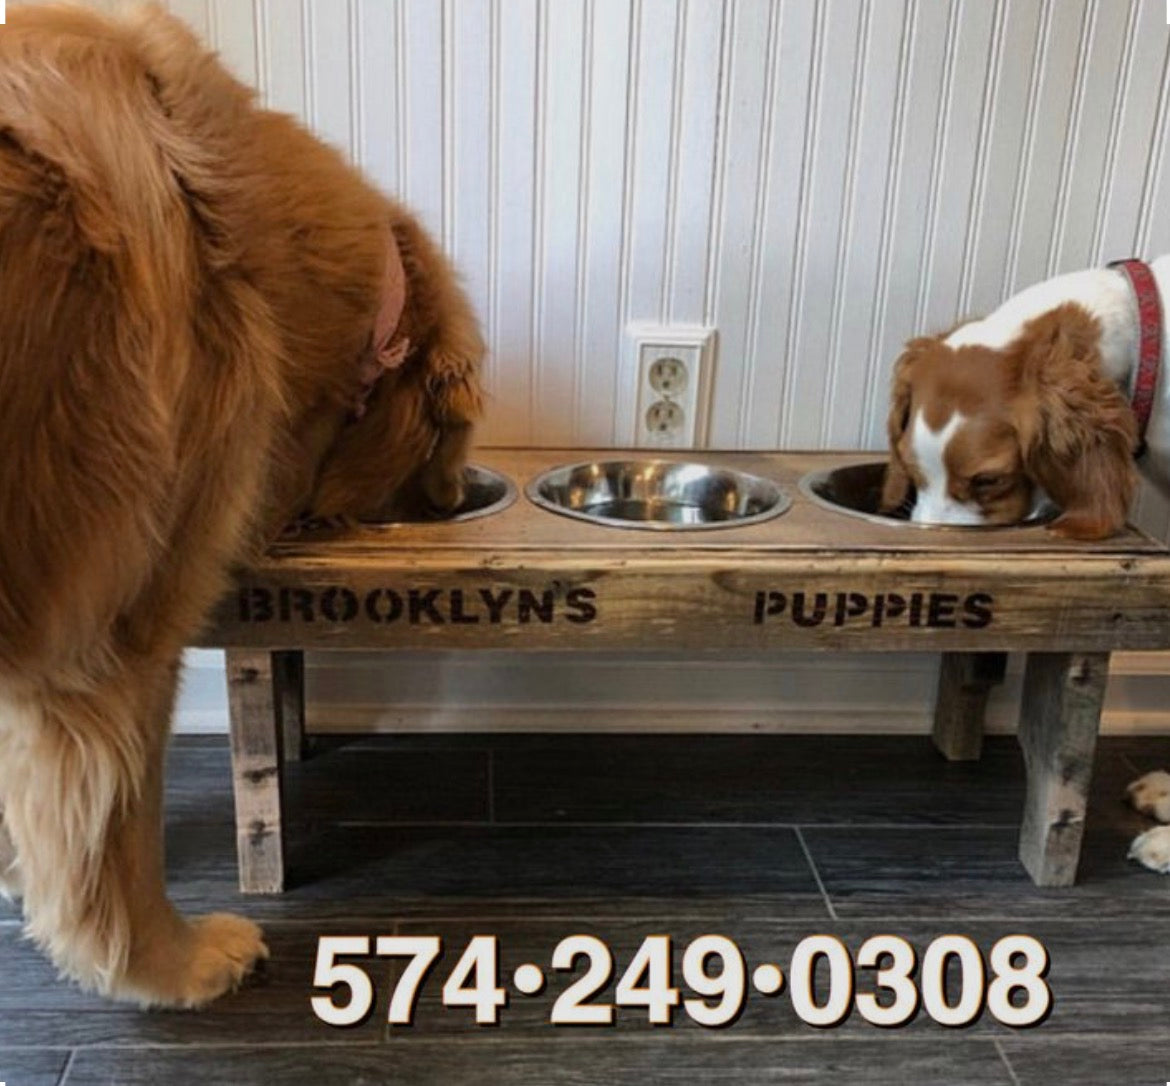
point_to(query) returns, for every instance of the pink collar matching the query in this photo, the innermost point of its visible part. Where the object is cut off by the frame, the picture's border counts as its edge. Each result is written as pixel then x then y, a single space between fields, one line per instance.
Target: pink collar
pixel 384 352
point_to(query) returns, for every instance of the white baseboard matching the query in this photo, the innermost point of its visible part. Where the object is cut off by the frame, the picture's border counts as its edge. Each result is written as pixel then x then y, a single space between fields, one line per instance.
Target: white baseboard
pixel 513 692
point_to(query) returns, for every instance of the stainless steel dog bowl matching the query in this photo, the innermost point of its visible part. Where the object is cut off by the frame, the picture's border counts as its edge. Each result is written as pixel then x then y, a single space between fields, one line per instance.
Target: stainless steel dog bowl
pixel 487 492
pixel 856 491
pixel 657 494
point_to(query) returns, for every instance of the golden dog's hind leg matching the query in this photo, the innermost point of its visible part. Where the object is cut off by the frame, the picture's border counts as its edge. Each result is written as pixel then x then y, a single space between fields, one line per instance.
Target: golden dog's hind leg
pixel 81 774
pixel 9 868
pixel 10 888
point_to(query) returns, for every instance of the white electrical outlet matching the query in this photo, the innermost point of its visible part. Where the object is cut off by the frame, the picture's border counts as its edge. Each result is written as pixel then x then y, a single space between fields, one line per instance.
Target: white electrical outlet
pixel 672 366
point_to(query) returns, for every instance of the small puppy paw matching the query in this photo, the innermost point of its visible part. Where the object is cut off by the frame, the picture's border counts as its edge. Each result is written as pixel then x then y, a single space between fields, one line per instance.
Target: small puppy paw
pixel 1151 795
pixel 1152 849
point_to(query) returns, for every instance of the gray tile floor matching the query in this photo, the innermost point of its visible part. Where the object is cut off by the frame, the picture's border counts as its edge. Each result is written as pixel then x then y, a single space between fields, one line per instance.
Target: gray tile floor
pixel 765 839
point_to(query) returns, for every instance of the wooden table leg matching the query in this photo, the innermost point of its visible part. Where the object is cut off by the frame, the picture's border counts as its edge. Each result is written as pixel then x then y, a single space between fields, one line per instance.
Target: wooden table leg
pixel 1059 717
pixel 964 683
pixel 288 676
pixel 256 771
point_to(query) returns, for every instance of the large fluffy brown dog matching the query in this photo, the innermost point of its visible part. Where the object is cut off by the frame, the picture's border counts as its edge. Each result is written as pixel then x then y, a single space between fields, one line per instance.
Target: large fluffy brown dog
pixel 190 289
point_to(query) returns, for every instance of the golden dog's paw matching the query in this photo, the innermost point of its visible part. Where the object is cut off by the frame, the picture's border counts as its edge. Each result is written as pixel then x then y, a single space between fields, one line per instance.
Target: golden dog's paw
pixel 210 957
pixel 445 491
pixel 225 949
pixel 1152 849
pixel 1151 795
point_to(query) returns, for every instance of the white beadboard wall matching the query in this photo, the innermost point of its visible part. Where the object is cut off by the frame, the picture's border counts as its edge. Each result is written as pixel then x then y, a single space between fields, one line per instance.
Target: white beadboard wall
pixel 816 179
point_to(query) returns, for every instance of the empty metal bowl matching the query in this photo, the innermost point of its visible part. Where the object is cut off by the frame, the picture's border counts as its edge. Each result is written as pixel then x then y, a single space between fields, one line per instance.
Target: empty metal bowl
pixel 487 492
pixel 856 491
pixel 657 494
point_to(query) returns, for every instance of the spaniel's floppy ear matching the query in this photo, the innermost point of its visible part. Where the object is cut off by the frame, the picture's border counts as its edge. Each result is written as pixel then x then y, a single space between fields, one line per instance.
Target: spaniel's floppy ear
pixel 896 487
pixel 1076 430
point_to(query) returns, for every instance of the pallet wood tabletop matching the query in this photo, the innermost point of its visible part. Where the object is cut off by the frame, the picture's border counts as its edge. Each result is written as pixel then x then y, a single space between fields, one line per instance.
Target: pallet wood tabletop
pixel 810 578
pixel 525 527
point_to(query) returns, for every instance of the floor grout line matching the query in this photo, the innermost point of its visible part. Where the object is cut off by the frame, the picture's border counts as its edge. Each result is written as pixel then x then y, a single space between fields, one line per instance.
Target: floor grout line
pixel 463 823
pixel 658 917
pixel 66 1048
pixel 64 1076
pixel 693 1035
pixel 1006 1062
pixel 752 915
pixel 816 874
pixel 1133 767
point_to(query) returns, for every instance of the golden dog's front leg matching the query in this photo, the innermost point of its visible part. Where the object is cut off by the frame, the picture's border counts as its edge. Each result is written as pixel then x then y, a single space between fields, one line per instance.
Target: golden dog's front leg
pixel 442 476
pixel 82 777
pixel 172 961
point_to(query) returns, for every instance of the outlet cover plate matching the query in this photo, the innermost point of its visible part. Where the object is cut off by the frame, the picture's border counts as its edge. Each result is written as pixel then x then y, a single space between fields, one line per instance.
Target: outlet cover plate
pixel 692 346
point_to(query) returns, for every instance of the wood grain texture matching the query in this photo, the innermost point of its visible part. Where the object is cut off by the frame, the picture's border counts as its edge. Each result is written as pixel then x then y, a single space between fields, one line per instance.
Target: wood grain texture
pixel 288 678
pixel 811 578
pixel 273 1006
pixel 1076 954
pixel 1060 714
pixel 405 781
pixel 702 779
pixel 964 682
pixel 574 1060
pixel 1106 937
pixel 1084 1062
pixel 967 871
pixel 256 769
pixel 31 1067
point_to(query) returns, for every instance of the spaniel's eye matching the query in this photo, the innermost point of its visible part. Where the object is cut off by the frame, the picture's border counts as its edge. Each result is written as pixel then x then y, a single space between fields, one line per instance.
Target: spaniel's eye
pixel 986 482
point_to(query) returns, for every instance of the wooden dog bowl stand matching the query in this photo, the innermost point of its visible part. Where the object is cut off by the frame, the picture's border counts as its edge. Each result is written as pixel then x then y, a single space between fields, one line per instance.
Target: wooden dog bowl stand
pixel 528 579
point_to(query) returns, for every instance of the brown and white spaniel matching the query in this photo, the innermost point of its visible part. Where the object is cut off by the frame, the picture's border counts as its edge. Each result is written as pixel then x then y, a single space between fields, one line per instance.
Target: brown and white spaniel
pixel 1047 399
pixel 991 420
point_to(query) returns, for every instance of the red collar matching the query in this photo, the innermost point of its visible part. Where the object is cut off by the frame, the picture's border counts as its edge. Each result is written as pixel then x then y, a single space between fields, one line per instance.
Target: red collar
pixel 1149 304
